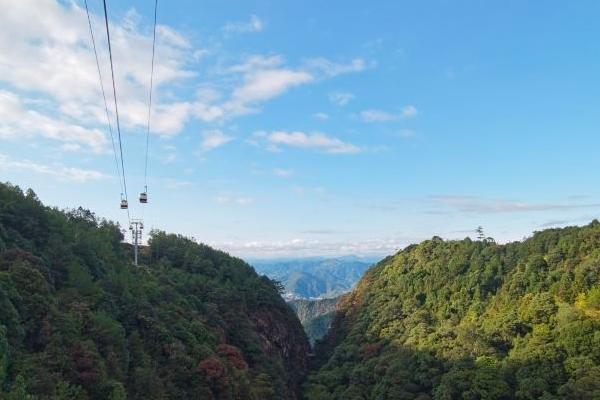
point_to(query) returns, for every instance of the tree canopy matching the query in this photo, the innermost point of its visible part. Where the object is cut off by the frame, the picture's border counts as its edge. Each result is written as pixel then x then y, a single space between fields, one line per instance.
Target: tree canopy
pixel 79 321
pixel 470 319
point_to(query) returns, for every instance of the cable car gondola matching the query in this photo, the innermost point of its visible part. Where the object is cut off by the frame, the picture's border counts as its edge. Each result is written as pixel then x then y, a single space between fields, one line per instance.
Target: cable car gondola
pixel 124 204
pixel 143 197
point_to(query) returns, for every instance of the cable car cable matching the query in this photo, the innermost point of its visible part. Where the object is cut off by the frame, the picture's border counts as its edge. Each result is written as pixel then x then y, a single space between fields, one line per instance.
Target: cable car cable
pixel 112 71
pixel 112 138
pixel 144 195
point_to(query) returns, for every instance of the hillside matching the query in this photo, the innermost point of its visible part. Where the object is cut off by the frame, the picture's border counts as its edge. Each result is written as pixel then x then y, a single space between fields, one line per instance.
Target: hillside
pixel 78 321
pixel 315 315
pixel 307 278
pixel 471 320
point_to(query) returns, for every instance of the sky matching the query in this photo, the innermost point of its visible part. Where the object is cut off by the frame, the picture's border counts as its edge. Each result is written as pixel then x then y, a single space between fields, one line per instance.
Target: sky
pixel 309 128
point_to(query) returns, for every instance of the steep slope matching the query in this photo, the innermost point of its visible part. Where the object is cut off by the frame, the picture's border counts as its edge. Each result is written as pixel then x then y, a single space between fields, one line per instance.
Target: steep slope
pixel 314 277
pixel 471 320
pixel 315 315
pixel 78 321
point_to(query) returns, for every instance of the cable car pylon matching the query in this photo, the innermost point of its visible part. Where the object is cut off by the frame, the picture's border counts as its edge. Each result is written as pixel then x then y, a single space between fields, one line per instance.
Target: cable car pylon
pixel 136 227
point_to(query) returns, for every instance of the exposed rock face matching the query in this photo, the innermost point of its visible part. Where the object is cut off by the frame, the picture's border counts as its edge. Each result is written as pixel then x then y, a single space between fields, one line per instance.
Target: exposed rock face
pixel 283 337
pixel 315 315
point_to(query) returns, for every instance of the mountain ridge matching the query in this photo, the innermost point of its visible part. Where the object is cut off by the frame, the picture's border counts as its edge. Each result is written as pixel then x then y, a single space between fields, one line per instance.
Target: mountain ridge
pixel 315 277
pixel 470 319
pixel 78 321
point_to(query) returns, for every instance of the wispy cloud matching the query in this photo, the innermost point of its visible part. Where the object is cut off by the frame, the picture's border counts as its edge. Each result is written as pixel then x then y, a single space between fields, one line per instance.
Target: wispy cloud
pixel 57 171
pixel 321 116
pixel 263 84
pixel 283 173
pixel 17 122
pixel 302 190
pixel 330 68
pixel 374 115
pixel 317 141
pixel 406 134
pixel 213 139
pixel 254 24
pixel 311 247
pixel 478 205
pixel 177 184
pixel 242 201
pixel 53 58
pixel 377 116
pixel 340 99
pixel 53 61
pixel 409 111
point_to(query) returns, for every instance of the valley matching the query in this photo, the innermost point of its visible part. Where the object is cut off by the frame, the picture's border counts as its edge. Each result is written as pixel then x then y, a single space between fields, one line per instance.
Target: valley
pixel 437 320
pixel 313 286
pixel 299 200
pixel 314 278
pixel 315 315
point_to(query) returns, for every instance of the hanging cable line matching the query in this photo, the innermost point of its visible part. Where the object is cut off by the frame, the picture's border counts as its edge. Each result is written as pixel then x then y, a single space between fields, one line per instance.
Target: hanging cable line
pixel 124 205
pixel 144 195
pixel 112 138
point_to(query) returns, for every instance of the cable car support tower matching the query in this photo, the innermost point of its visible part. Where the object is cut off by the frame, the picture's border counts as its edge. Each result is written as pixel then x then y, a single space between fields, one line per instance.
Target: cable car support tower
pixel 136 227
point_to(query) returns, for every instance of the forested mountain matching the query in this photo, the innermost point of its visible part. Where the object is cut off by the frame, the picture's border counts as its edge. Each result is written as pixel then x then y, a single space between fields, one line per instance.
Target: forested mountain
pixel 471 320
pixel 315 315
pixel 78 321
pixel 307 278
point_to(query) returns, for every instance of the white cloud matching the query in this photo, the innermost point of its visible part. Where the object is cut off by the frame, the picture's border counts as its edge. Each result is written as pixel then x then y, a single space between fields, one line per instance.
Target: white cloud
pixel 374 115
pixel 177 184
pixel 283 173
pixel 242 201
pixel 60 172
pixel 298 247
pixel 263 85
pixel 377 116
pixel 473 204
pixel 409 111
pixel 213 139
pixel 321 116
pixel 318 141
pixel 255 24
pixel 302 190
pixel 406 134
pixel 330 68
pixel 17 121
pixel 53 58
pixel 340 99
pixel 223 199
pixel 256 80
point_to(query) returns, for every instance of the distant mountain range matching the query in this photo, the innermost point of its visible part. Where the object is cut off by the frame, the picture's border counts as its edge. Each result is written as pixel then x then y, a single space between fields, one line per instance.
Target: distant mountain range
pixel 314 278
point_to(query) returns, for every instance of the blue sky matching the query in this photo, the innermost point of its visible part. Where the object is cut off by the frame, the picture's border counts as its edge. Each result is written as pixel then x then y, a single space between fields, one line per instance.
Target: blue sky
pixel 312 128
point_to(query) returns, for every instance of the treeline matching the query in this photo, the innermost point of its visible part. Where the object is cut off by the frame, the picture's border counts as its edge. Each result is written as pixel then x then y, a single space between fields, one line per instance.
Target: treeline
pixel 471 320
pixel 78 321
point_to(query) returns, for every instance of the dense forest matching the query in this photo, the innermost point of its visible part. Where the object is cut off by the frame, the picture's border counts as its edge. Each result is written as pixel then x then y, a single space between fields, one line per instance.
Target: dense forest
pixel 78 321
pixel 440 320
pixel 315 315
pixel 470 320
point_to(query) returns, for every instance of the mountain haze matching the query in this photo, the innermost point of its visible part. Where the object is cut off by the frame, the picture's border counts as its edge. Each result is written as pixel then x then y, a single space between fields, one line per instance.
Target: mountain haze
pixel 307 278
